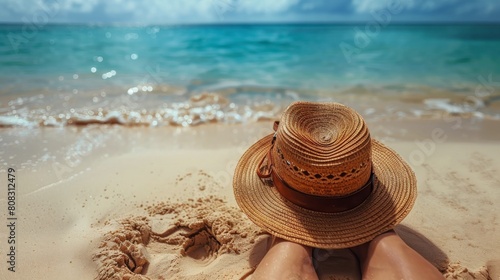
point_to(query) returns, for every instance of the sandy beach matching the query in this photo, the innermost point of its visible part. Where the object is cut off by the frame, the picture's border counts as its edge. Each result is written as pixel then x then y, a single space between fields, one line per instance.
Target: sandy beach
pixel 157 203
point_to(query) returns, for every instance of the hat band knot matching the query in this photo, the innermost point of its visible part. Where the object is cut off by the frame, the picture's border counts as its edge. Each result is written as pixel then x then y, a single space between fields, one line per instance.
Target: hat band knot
pixel 326 204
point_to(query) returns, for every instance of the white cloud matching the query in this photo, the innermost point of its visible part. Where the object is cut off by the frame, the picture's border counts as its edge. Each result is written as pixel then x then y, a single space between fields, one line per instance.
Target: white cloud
pixel 265 7
pixel 152 10
pixel 168 11
pixel 32 6
pixel 50 9
pixel 366 6
pixel 456 7
pixel 160 9
pixel 82 6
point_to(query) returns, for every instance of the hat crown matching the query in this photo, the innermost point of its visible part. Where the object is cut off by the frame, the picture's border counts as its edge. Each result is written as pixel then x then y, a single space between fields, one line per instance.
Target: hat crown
pixel 322 149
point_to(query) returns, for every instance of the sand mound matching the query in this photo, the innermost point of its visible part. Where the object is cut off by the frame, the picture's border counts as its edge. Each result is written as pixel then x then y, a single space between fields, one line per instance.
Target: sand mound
pixel 122 253
pixel 158 246
pixel 457 271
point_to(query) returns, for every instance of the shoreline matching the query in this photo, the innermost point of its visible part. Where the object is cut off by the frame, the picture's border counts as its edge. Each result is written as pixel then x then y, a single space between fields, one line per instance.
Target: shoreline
pixel 163 105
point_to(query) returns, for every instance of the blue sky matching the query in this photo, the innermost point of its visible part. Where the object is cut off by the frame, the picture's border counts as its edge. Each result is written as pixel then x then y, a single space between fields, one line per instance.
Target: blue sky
pixel 227 11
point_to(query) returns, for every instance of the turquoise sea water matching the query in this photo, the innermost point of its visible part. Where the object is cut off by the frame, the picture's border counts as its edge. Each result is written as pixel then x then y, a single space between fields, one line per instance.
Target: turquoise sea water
pixel 184 75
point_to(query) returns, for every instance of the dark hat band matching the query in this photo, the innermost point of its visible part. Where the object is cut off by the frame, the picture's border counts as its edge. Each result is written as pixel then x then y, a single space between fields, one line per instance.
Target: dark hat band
pixel 326 204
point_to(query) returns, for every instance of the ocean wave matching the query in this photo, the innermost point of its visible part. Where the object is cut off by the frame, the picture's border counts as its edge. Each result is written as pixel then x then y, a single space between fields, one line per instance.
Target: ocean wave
pixel 473 104
pixel 230 103
pixel 199 109
pixel 9 121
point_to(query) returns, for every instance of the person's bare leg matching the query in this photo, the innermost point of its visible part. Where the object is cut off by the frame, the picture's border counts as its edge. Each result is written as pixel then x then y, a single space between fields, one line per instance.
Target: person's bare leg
pixel 388 257
pixel 286 260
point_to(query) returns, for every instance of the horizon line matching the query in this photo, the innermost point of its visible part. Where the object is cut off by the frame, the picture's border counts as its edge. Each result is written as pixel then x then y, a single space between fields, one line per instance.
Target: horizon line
pixel 221 23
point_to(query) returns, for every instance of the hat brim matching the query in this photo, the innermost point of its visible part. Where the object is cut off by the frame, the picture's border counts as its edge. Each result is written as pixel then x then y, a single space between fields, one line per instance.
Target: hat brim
pixel 394 193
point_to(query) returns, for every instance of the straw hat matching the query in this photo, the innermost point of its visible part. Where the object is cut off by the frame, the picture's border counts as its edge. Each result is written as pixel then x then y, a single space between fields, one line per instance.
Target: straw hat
pixel 321 181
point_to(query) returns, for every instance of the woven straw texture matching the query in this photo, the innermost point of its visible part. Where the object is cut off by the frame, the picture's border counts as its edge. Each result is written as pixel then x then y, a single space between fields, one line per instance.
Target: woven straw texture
pixel 323 149
pixel 394 184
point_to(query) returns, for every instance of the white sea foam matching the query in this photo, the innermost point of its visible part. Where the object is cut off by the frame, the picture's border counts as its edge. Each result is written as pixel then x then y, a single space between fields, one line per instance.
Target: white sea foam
pixel 8 121
pixel 227 102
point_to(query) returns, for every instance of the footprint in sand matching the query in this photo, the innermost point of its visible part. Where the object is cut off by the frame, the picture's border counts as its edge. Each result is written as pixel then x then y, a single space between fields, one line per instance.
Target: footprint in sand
pixel 156 247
